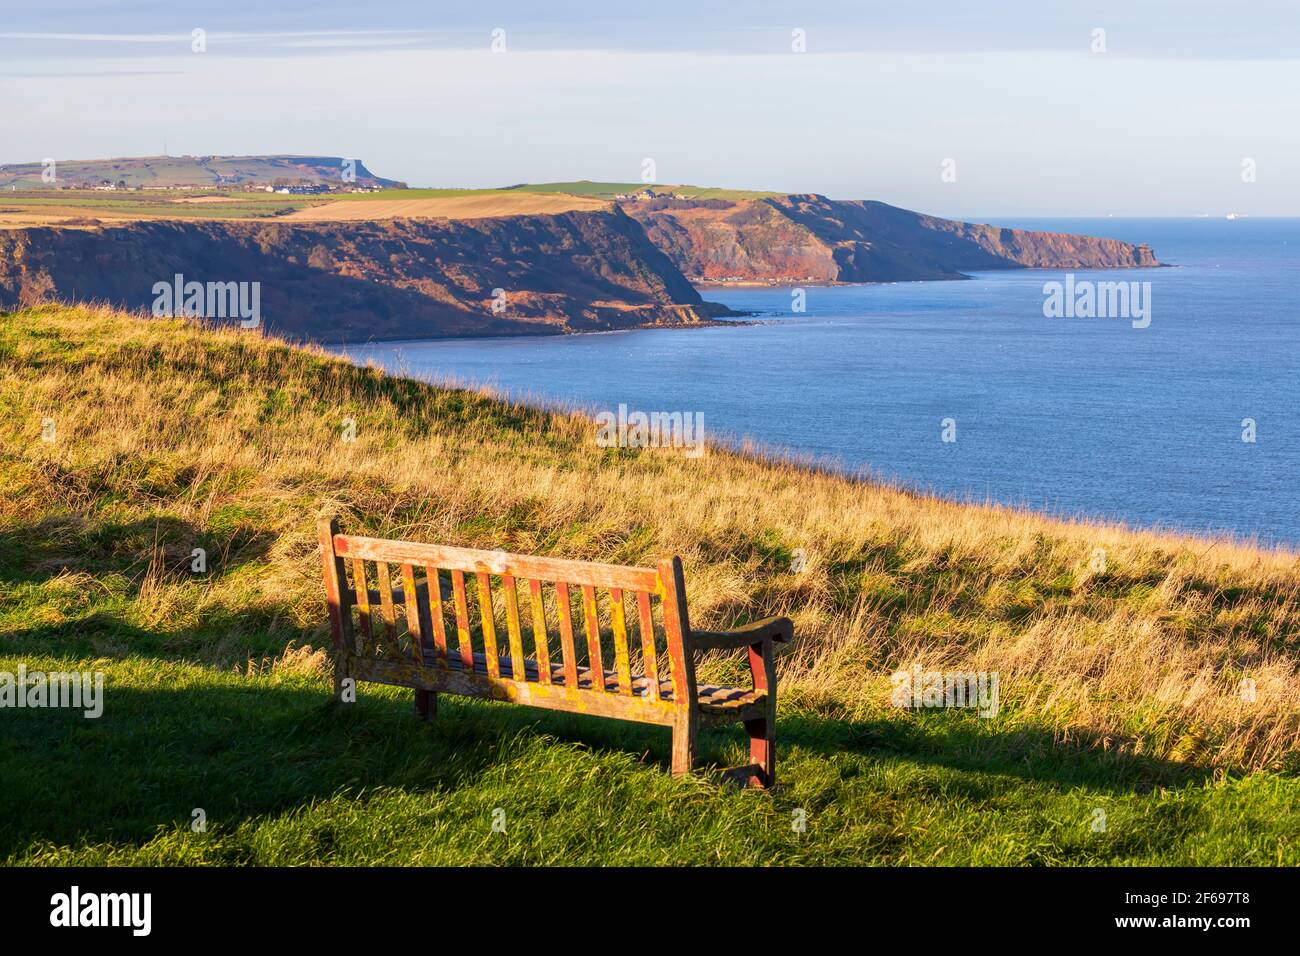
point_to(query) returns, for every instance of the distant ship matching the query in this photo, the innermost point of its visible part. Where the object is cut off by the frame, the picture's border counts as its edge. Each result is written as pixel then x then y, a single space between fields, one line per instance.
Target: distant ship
pixel 1235 215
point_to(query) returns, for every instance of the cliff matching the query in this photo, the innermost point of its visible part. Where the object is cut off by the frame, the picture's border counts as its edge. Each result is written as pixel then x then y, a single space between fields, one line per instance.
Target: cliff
pixel 812 238
pixel 615 267
pixel 402 278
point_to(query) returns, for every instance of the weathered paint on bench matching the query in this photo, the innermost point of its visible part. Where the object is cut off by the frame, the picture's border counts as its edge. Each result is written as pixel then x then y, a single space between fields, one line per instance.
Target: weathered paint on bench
pixel 448 638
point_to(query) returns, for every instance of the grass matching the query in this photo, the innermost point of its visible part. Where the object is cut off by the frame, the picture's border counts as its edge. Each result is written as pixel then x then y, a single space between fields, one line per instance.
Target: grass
pixel 599 190
pixel 22 208
pixel 1120 688
pixel 391 195
pixel 79 204
pixel 149 205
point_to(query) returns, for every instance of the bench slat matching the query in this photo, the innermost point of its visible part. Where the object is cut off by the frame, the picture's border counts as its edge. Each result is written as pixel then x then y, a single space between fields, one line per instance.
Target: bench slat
pixel 488 623
pixel 567 651
pixel 512 626
pixel 413 623
pixel 366 639
pixel 618 624
pixel 717 699
pixel 541 640
pixel 473 561
pixel 436 614
pixel 591 615
pixel 462 618
pixel 386 613
pixel 551 696
pixel 649 655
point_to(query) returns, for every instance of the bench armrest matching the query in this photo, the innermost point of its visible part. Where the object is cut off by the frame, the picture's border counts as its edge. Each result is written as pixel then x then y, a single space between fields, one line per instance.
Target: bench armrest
pixel 780 629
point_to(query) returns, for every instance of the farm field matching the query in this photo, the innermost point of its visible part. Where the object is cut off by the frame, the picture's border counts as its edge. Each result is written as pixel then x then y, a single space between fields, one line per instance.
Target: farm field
pixel 476 206
pixel 77 209
pixel 610 190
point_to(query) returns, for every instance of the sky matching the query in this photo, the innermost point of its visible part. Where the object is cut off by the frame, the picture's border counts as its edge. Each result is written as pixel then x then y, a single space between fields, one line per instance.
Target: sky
pixel 972 110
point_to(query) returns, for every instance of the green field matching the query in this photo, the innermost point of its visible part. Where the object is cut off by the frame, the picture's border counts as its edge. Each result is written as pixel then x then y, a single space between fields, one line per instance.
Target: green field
pixel 598 190
pixel 1121 738
pixel 154 205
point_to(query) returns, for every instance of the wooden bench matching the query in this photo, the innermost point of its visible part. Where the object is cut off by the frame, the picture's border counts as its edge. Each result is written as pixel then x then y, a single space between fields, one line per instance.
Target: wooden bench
pixel 511 637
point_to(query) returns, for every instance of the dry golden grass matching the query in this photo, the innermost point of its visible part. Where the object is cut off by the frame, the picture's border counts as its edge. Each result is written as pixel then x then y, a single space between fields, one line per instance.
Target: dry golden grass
pixel 450 207
pixel 21 217
pixel 17 212
pixel 220 430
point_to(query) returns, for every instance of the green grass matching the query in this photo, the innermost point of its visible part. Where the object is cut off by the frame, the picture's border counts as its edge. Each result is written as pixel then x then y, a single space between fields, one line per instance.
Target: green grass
pixel 242 205
pixel 171 439
pixel 610 190
pixel 285 777
pixel 151 205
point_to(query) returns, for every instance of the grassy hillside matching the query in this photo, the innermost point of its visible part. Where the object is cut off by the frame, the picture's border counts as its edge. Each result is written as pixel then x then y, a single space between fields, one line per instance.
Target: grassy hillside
pixel 186 171
pixel 1120 688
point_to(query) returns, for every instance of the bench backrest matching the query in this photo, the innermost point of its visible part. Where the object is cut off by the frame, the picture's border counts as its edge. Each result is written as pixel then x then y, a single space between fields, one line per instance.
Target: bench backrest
pixel 522 613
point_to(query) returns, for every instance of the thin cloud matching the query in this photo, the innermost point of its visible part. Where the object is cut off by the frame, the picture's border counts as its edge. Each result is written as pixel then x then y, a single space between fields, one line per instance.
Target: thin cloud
pixel 96 74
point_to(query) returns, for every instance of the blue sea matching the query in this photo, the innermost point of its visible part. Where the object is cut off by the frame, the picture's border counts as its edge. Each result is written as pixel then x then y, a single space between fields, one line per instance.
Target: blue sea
pixel 1071 416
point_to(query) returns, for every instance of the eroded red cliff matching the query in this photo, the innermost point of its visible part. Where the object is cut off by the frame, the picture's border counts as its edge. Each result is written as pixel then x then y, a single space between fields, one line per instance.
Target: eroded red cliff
pixel 802 238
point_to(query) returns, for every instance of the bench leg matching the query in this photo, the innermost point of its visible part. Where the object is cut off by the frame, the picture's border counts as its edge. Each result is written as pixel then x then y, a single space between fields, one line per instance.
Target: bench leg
pixel 426 704
pixel 762 730
pixel 684 732
pixel 340 675
pixel 762 751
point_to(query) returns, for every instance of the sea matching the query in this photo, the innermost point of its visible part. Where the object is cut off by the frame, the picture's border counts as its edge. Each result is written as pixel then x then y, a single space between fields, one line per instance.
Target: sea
pixel 1180 413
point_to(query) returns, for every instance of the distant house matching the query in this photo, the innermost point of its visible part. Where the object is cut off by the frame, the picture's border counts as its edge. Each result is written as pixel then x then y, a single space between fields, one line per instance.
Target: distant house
pixel 303 189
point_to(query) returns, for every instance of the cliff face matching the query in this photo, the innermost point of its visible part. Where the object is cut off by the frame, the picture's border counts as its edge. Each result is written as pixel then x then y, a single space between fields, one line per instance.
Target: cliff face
pixel 578 271
pixel 569 272
pixel 714 240
pixel 812 238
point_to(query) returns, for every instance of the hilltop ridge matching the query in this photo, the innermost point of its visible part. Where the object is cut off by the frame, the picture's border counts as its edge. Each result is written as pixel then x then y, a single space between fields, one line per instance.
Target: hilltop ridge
pixel 188 172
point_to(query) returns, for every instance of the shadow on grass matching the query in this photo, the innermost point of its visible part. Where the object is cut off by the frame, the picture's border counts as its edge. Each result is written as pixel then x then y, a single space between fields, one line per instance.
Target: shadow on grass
pixel 966 744
pixel 239 749
pixel 44 549
pixel 230 636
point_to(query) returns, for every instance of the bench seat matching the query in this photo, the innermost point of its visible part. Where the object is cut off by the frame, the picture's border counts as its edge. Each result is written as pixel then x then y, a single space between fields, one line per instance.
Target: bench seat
pixel 735 703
